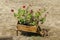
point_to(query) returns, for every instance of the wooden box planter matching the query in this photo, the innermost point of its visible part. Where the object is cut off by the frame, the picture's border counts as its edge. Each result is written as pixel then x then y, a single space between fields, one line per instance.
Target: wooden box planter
pixel 26 28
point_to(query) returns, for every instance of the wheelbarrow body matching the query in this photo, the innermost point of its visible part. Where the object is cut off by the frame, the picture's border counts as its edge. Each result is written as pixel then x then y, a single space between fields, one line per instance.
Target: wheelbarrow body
pixel 33 29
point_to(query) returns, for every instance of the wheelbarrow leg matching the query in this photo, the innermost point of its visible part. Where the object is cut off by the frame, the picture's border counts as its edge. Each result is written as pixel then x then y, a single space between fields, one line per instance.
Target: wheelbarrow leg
pixel 38 29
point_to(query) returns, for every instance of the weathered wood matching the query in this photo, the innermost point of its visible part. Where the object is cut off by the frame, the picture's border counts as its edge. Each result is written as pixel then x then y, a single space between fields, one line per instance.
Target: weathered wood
pixel 27 28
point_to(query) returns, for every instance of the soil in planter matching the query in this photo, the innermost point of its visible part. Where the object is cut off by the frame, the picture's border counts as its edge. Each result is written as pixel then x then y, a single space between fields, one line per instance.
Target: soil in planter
pixel 26 23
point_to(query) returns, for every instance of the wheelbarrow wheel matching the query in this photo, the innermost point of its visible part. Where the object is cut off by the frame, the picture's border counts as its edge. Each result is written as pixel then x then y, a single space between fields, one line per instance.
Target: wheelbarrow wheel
pixel 43 32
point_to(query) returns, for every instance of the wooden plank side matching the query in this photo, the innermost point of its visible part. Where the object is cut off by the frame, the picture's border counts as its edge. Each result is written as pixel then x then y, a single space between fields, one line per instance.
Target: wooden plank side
pixel 27 28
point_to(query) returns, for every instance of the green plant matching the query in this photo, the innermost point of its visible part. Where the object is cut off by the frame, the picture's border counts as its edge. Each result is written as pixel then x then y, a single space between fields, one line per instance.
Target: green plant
pixel 26 17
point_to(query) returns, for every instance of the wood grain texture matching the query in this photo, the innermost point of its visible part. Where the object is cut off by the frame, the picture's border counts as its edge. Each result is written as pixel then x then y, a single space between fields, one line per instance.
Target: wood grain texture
pixel 27 28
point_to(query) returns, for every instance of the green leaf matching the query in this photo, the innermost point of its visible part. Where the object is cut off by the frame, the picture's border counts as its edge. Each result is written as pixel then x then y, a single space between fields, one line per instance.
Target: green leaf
pixel 37 15
pixel 33 23
pixel 21 20
pixel 15 14
pixel 19 10
pixel 23 12
pixel 43 20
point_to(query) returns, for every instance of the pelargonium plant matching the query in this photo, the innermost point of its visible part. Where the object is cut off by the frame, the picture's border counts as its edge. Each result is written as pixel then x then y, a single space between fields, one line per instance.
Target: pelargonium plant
pixel 31 18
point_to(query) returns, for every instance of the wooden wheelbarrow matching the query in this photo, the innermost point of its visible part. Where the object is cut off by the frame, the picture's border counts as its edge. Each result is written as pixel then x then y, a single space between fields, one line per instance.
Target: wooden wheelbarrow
pixel 32 29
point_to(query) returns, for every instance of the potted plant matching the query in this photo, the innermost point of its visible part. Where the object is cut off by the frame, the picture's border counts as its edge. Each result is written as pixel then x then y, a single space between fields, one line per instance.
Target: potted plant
pixel 29 20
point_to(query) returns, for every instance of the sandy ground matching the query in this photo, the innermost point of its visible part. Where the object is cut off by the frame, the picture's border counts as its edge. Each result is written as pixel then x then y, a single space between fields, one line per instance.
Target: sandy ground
pixel 8 21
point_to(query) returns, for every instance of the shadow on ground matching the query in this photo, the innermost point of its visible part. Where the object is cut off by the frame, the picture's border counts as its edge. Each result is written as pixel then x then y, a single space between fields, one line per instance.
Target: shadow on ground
pixel 29 34
pixel 6 38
